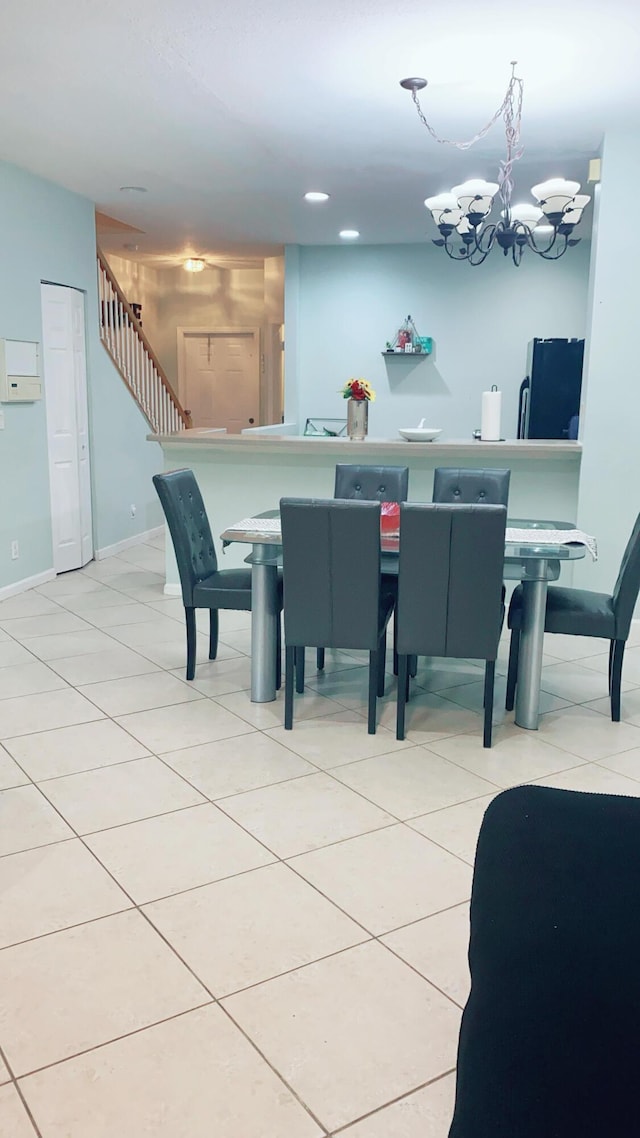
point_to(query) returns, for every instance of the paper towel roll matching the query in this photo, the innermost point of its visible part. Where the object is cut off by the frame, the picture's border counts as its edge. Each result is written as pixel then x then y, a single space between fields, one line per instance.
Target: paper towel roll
pixel 490 419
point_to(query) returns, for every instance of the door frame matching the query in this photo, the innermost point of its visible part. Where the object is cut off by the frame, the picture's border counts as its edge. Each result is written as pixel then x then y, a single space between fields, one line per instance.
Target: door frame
pixel 82 400
pixel 215 330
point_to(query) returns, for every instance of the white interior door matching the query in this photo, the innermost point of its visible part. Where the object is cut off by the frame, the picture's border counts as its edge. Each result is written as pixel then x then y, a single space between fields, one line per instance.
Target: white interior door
pixel 221 378
pixel 65 385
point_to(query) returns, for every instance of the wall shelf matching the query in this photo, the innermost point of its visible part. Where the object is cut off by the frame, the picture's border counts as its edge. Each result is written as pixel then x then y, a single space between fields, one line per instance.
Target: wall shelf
pixel 406 355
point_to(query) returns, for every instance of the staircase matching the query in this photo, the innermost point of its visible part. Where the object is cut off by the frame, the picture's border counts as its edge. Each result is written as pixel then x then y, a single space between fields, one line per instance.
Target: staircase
pixel 131 353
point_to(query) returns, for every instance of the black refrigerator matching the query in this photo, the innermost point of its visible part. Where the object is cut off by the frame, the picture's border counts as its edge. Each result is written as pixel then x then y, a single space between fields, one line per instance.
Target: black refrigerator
pixel 550 394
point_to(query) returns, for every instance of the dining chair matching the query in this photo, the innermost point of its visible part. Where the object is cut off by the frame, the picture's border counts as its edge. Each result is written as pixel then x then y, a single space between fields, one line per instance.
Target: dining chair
pixel 580 612
pixel 204 586
pixel 333 591
pixel 370 484
pixel 484 487
pixel 450 591
pixel 548 1045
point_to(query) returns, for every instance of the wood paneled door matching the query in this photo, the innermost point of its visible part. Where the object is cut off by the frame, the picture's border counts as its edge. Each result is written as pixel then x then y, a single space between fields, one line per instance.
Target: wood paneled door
pixel 219 376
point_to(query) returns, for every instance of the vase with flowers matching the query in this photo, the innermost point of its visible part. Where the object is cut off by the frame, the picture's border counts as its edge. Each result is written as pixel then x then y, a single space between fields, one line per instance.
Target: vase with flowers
pixel 359 394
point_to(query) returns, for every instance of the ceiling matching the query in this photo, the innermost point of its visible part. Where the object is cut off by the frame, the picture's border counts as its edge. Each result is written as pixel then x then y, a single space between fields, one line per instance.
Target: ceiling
pixel 227 113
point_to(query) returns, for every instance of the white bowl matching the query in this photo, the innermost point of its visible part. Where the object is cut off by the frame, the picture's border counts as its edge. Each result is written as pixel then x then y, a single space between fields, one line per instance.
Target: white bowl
pixel 420 434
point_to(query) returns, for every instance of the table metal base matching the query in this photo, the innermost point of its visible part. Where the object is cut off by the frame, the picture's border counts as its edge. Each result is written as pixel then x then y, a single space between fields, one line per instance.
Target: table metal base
pixel 264 623
pixel 534 605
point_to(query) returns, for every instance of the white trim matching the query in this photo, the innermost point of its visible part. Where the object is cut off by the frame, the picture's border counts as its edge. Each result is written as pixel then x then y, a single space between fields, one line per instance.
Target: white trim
pixel 172 590
pixel 127 543
pixel 26 583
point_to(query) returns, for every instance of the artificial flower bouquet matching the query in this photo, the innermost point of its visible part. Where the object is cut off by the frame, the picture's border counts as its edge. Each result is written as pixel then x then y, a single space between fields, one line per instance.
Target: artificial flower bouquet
pixel 358 389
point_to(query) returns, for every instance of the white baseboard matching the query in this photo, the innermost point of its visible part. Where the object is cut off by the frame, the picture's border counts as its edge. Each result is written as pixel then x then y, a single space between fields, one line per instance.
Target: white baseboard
pixel 172 591
pixel 27 583
pixel 127 543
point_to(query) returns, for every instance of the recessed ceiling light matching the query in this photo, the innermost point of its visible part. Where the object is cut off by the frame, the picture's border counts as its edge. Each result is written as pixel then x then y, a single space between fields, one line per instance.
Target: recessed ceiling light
pixel 131 246
pixel 349 234
pixel 316 196
pixel 133 189
pixel 194 264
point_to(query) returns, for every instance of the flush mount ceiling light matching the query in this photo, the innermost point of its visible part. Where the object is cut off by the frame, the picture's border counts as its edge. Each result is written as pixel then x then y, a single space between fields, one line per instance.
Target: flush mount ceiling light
pixel 316 196
pixel 461 215
pixel 349 234
pixel 194 264
pixel 133 190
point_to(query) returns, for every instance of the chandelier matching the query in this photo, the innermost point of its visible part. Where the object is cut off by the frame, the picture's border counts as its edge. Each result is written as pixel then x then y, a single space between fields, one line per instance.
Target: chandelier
pixel 462 215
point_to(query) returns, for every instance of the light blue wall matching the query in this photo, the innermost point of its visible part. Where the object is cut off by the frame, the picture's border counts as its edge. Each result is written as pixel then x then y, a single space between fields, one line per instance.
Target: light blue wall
pixel 349 300
pixel 610 474
pixel 48 234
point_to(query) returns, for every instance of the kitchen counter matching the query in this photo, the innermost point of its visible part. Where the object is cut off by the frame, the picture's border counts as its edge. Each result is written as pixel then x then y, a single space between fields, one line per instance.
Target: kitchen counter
pixel 242 475
pixel 370 449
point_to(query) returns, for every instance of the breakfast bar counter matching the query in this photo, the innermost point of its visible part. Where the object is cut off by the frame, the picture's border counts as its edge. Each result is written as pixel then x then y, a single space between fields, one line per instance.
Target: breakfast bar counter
pixel 243 475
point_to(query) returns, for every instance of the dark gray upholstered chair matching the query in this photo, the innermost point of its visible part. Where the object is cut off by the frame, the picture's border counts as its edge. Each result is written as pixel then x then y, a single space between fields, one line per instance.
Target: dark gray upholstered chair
pixel 579 612
pixel 372 483
pixel 450 590
pixel 548 1044
pixel 333 592
pixel 484 487
pixel 204 586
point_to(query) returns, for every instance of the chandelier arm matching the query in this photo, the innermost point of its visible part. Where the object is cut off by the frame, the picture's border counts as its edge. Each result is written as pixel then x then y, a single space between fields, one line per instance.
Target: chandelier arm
pixel 449 251
pixel 532 243
pixel 556 256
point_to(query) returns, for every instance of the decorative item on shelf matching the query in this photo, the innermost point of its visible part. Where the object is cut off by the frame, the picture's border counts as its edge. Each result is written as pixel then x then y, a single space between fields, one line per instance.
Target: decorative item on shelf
pixel 407 342
pixel 359 394
pixel 461 215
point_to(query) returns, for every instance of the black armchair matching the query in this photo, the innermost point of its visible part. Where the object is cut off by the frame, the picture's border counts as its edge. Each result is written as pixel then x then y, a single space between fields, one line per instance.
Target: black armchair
pixel 204 586
pixel 549 1038
pixel 579 612
pixel 450 591
pixel 483 487
pixel 333 591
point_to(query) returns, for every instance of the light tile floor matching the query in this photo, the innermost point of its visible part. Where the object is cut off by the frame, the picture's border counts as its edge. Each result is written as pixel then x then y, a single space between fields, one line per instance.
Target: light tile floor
pixel 211 926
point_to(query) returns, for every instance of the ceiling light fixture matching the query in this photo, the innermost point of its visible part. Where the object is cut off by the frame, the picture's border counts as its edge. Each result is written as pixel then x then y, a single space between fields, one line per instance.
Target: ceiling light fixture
pixel 133 190
pixel 316 196
pixel 349 234
pixel 463 212
pixel 194 264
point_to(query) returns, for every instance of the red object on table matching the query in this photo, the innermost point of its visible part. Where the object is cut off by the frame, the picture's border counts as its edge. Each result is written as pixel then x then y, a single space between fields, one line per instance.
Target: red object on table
pixel 389 517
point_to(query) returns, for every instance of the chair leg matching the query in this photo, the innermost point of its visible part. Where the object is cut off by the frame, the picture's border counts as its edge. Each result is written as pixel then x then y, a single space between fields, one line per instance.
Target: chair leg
pixel 512 674
pixel 213 633
pixel 279 654
pixel 382 660
pixel 289 669
pixel 373 691
pixel 401 697
pixel 413 667
pixel 489 679
pixel 395 646
pixel 612 645
pixel 320 659
pixel 299 657
pixel 616 678
pixel 190 617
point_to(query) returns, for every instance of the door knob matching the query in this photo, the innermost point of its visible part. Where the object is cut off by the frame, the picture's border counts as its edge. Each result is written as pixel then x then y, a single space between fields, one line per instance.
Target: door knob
pixel 251 420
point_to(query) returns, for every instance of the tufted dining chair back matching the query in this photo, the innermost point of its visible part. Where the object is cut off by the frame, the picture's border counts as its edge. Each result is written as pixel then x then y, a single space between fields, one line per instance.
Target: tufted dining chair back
pixel 471 487
pixel 189 527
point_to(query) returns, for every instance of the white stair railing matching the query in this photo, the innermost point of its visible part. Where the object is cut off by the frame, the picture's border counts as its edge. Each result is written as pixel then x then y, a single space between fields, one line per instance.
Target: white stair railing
pixel 123 337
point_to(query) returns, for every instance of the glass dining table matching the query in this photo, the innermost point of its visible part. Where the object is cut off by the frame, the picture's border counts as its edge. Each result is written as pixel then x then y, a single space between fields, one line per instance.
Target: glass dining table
pixel 531 563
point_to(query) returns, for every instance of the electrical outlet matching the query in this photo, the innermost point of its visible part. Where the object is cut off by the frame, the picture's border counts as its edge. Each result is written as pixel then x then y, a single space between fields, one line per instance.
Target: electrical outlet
pixel 15 551
pixel 133 510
